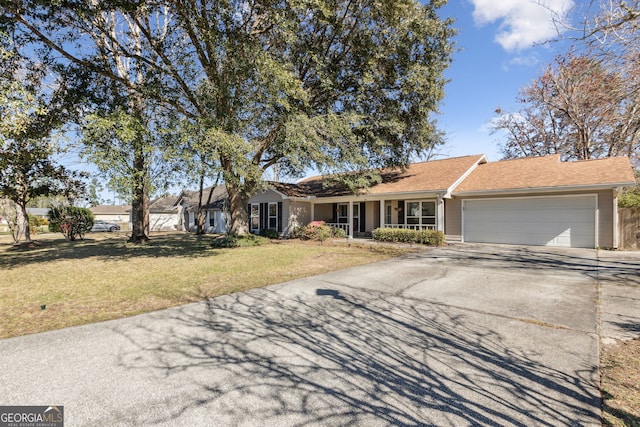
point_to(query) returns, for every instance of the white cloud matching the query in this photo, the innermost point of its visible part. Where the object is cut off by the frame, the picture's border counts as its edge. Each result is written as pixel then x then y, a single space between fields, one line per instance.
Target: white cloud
pixel 522 22
pixel 525 60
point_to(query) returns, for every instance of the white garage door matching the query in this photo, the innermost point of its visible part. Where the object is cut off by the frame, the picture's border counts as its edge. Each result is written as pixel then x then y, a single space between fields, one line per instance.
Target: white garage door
pixel 540 221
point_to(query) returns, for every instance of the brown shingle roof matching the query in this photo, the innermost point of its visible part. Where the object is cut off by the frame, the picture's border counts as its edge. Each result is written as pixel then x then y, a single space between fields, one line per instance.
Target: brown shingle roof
pixel 547 172
pixel 163 204
pixel 218 194
pixel 429 176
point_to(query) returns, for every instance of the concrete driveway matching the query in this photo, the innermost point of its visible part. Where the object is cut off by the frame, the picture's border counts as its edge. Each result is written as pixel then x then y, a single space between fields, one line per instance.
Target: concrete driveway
pixel 465 335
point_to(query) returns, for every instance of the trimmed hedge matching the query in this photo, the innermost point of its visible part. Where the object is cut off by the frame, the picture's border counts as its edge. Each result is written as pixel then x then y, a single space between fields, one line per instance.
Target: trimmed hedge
pixel 269 233
pixel 404 235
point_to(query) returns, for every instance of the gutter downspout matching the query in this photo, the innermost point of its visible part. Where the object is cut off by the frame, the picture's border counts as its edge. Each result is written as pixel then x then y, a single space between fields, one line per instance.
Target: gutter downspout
pixel 615 219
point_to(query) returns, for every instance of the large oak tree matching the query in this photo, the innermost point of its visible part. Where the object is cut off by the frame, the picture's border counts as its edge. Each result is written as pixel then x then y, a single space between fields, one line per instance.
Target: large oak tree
pixel 331 84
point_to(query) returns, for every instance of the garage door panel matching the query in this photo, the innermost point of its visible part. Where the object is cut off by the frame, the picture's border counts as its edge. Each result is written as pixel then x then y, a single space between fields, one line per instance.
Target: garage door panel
pixel 553 221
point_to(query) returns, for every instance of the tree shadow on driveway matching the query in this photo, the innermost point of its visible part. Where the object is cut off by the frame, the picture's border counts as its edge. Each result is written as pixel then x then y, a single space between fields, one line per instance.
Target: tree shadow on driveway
pixel 328 357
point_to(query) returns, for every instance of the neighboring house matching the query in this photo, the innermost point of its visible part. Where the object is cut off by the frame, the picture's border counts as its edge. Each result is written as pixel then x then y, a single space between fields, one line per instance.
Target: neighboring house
pixel 165 214
pixel 214 202
pixel 532 201
pixel 180 212
pixel 112 213
pixel 39 212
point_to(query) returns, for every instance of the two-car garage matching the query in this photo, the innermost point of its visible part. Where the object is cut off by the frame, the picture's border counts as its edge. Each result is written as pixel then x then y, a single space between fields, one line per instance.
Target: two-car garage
pixel 568 221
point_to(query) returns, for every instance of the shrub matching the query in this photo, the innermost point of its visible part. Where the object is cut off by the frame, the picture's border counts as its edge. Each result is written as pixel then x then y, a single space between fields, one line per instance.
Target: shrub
pixel 318 230
pixel 269 233
pixel 338 232
pixel 71 221
pixel 34 224
pixel 239 241
pixel 630 198
pixel 404 235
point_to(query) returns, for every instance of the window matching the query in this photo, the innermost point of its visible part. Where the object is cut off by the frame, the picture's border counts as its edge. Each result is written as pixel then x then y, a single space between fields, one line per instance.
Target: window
pixel 212 219
pixel 421 213
pixel 255 217
pixel 388 220
pixel 273 216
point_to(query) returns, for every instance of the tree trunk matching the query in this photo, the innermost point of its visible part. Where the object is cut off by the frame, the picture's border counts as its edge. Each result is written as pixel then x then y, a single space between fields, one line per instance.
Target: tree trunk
pixel 140 202
pixel 238 209
pixel 23 224
pixel 199 216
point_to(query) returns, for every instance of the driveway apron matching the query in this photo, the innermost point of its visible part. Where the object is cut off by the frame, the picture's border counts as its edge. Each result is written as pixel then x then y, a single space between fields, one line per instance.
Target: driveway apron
pixel 463 335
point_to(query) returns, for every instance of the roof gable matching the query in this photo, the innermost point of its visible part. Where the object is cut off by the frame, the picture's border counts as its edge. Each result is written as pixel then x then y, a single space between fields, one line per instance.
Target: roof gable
pixel 218 193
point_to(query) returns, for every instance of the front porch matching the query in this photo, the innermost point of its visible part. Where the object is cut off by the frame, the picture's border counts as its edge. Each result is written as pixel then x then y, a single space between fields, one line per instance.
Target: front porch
pixel 360 218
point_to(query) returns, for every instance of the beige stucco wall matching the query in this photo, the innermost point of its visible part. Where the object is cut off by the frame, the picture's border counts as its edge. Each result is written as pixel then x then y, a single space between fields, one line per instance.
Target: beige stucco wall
pixel 453 214
pixel 324 212
pixel 453 218
pixel 372 217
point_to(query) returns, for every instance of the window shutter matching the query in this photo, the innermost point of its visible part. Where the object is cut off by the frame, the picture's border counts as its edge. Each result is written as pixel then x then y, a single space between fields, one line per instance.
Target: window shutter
pixel 335 213
pixel 263 214
pixel 280 218
pixel 400 211
pixel 363 217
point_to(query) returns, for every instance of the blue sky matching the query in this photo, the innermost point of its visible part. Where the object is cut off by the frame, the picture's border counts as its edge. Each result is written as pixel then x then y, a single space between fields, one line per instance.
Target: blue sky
pixel 501 48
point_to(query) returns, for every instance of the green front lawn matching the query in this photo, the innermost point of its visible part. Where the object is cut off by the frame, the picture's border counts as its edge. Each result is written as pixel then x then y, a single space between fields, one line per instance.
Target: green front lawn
pixel 56 283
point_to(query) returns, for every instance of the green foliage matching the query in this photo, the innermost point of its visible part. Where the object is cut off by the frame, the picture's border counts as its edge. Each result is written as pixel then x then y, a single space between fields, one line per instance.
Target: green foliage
pixel 630 199
pixel 340 85
pixel 404 235
pixel 269 233
pixel 73 222
pixel 29 125
pixel 35 223
pixel 239 241
pixel 630 196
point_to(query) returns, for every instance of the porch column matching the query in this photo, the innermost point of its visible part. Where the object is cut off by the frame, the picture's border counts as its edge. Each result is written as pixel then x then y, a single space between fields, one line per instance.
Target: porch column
pixel 350 220
pixel 440 214
pixel 313 212
pixel 382 213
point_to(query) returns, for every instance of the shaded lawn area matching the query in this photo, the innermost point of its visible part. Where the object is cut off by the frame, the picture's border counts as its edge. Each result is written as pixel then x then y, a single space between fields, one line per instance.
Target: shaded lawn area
pixel 57 283
pixel 620 383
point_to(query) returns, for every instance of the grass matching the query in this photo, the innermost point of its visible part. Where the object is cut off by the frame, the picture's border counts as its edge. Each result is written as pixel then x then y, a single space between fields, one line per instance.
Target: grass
pixel 56 283
pixel 620 383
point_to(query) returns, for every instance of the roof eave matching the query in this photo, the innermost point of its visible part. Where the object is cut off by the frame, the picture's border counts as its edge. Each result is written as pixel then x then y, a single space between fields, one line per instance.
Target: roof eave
pixel 380 196
pixel 561 189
